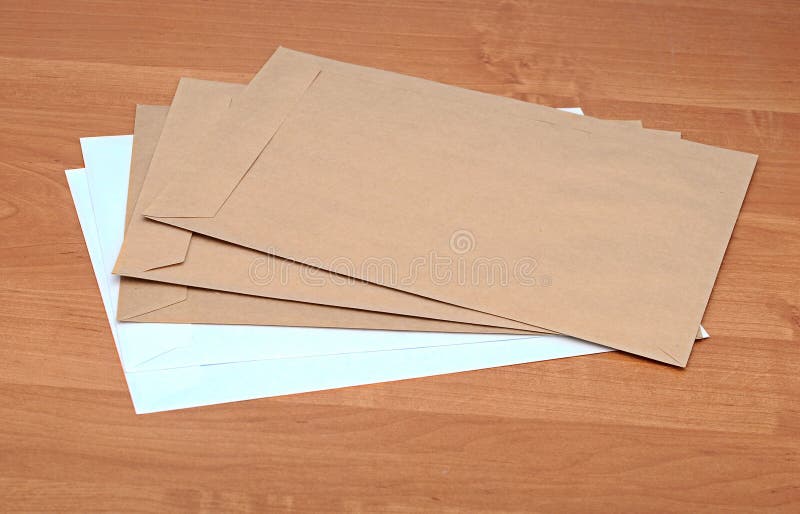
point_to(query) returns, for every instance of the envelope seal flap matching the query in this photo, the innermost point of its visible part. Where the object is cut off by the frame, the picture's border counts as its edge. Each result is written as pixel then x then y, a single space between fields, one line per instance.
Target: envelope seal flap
pixel 139 297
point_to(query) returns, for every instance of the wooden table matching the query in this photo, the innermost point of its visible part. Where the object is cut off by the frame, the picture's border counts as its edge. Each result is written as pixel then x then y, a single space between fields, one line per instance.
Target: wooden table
pixel 599 433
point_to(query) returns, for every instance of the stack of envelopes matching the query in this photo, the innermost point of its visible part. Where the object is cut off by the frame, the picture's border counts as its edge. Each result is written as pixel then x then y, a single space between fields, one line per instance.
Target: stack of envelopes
pixel 402 227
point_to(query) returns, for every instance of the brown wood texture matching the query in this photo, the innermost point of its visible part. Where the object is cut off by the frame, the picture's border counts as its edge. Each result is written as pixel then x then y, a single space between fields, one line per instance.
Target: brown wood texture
pixel 598 433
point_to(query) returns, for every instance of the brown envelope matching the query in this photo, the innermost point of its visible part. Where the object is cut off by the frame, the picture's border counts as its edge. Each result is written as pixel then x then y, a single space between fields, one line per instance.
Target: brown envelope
pixel 147 246
pixel 193 305
pixel 141 301
pixel 147 301
pixel 390 172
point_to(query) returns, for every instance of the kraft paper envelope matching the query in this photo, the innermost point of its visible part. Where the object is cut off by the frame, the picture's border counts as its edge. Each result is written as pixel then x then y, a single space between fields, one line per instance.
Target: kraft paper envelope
pixel 169 303
pixel 256 362
pixel 206 306
pixel 147 301
pixel 611 217
pixel 144 252
pixel 141 301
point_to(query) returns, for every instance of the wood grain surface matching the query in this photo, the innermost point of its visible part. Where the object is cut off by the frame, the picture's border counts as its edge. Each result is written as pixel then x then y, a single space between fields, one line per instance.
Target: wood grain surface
pixel 598 433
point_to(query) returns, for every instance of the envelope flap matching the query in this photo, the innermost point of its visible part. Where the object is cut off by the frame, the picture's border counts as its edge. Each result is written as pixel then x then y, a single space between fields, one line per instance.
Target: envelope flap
pixel 222 157
pixel 138 297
